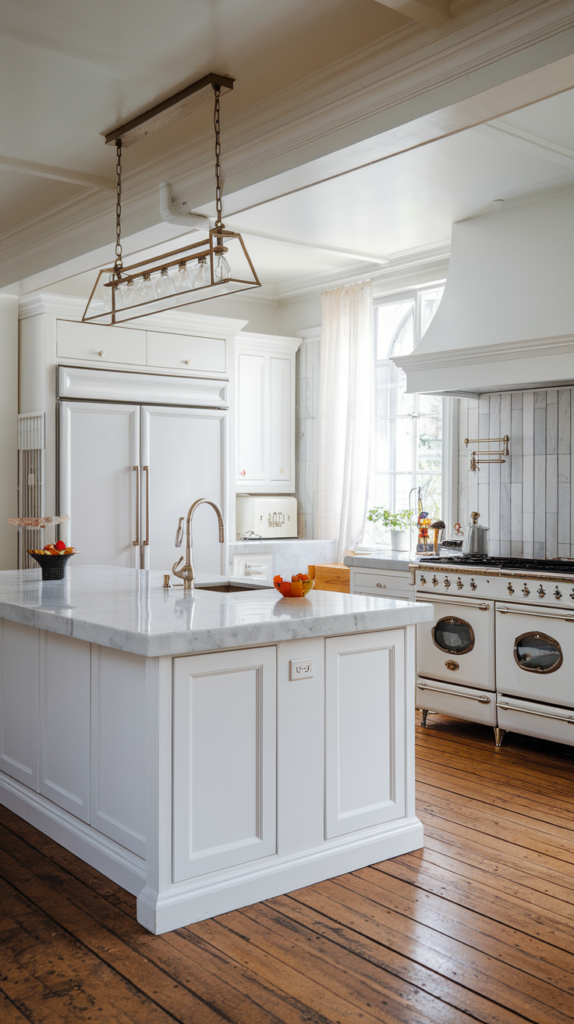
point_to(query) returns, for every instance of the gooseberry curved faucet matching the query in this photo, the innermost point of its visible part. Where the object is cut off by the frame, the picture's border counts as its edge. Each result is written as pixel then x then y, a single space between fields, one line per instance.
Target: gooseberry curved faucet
pixel 186 572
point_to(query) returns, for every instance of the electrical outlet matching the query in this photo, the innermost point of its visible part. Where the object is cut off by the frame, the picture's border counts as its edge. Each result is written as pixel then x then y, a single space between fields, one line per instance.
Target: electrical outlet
pixel 301 669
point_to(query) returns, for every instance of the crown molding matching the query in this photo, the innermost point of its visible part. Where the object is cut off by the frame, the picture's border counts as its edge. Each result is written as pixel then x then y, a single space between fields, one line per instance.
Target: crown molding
pixel 310 334
pixel 405 270
pixel 251 341
pixel 69 307
pixel 357 108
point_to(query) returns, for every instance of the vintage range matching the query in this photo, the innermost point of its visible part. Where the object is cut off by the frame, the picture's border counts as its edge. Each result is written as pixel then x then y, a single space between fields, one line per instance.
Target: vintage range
pixel 500 649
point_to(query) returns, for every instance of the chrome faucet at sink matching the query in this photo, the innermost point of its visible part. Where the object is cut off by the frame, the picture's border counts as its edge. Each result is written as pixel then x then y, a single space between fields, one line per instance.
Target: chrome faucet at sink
pixel 186 572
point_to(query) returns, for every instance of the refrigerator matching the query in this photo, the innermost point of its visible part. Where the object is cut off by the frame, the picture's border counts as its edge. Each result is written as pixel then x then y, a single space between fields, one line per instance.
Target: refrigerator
pixel 128 471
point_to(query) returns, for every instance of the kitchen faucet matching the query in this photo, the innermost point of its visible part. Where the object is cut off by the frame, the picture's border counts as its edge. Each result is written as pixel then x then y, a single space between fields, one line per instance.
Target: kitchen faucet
pixel 186 572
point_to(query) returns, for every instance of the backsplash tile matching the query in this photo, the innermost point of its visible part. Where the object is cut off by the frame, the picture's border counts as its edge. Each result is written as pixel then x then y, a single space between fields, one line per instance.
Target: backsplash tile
pixel 527 501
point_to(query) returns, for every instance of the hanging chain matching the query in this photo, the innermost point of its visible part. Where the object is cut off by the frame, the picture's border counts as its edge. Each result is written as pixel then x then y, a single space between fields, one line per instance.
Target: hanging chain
pixel 118 265
pixel 217 126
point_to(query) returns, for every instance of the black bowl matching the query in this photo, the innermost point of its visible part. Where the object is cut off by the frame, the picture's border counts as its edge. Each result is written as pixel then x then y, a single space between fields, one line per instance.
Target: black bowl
pixel 53 566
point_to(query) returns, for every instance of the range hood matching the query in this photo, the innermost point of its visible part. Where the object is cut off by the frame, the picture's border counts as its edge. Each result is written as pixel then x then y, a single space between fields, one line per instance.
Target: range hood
pixel 506 319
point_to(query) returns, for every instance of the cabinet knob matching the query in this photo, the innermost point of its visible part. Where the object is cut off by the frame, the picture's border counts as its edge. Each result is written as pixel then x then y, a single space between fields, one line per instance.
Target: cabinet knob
pixel 188 362
pixel 241 472
pixel 101 352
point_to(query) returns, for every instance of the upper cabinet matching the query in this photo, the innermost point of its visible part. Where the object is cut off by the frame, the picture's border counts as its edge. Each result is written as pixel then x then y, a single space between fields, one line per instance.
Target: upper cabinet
pixel 265 413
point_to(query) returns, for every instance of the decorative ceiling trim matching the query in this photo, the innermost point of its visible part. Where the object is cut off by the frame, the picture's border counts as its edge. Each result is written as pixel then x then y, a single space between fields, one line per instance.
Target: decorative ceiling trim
pixel 405 270
pixel 414 86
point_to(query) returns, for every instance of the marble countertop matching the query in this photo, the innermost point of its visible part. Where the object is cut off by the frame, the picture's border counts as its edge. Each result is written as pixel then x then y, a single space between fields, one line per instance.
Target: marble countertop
pixel 397 562
pixel 129 610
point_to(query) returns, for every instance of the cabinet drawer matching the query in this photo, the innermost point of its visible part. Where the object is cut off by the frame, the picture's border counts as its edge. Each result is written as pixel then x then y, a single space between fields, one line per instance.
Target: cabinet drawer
pixel 92 341
pixel 182 351
pixel 379 583
pixel 470 704
pixel 541 720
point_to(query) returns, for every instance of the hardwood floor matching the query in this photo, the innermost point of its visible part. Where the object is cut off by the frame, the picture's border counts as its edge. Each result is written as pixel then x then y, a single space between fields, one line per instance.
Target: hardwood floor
pixel 478 926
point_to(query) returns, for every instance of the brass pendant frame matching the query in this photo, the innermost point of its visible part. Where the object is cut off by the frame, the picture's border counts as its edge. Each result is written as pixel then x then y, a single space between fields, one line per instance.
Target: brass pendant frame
pixel 111 279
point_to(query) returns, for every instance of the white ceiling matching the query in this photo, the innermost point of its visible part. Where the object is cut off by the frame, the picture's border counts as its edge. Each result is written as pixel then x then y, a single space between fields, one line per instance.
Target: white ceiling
pixel 411 200
pixel 72 69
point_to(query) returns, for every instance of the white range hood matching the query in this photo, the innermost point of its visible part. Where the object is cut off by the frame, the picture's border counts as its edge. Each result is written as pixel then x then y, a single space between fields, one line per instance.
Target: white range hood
pixel 506 319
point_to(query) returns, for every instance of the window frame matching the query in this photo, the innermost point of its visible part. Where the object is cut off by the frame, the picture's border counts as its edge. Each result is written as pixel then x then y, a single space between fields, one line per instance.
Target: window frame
pixel 449 462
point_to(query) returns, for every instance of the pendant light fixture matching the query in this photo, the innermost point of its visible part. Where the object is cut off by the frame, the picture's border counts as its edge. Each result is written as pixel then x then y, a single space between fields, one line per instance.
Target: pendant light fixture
pixel 214 266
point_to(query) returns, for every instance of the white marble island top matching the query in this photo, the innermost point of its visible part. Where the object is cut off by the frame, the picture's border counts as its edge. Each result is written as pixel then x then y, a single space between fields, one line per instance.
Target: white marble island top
pixel 129 610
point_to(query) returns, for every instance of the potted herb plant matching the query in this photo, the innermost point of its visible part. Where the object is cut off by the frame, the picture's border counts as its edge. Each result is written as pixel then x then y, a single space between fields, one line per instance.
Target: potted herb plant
pixel 397 522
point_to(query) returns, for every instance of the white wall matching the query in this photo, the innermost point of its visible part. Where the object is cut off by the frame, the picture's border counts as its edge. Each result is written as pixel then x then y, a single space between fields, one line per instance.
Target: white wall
pixel 8 429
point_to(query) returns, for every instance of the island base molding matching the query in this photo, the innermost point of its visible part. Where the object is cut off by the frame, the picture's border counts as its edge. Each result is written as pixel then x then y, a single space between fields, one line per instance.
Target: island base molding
pixel 185 905
pixel 103 854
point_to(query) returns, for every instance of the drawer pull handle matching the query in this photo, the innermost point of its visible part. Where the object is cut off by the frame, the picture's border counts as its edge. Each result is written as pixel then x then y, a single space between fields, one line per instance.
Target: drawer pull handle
pixel 467 696
pixel 538 613
pixel 539 714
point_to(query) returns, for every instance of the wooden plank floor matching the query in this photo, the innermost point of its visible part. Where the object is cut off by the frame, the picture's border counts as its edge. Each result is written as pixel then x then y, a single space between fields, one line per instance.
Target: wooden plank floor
pixel 478 926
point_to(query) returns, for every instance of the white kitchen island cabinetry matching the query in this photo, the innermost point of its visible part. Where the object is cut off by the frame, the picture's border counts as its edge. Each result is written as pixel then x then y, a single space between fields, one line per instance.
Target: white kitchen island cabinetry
pixel 208 750
pixel 265 413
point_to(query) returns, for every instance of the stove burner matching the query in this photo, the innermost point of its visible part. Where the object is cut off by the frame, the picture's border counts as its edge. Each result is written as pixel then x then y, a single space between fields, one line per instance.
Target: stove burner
pixel 485 561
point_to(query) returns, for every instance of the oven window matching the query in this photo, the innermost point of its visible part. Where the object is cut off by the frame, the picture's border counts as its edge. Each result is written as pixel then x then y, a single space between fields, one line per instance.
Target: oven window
pixel 455 636
pixel 537 652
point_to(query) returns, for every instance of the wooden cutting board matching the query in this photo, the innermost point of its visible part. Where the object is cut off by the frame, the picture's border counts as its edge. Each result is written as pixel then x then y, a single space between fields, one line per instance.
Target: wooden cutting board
pixel 335 576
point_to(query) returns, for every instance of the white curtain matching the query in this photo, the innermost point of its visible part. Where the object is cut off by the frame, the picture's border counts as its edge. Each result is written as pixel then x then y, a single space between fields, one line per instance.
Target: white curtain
pixel 345 414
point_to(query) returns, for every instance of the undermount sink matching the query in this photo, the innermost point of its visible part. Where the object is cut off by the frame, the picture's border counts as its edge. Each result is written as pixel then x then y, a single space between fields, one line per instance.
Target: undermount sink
pixel 232 588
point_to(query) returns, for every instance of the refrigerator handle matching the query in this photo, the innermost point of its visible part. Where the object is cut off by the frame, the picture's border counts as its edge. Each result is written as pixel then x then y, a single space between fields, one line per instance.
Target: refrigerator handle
pixel 146 471
pixel 136 542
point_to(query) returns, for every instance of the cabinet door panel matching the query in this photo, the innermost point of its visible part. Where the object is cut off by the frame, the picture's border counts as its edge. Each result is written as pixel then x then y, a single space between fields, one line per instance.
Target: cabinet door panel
pixel 281 426
pixel 118 807
pixel 252 411
pixel 65 673
pixel 224 724
pixel 185 450
pixel 99 446
pixel 365 715
pixel 19 696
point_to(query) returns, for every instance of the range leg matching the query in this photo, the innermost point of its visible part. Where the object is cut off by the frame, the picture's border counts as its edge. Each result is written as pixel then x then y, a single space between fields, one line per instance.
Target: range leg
pixel 498 734
pixel 424 719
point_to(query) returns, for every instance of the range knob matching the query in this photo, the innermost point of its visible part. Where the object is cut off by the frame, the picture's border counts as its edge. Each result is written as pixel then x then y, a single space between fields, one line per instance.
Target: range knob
pixel 541 591
pixel 473 585
pixel 446 582
pixel 557 593
pixel 510 588
pixel 423 581
pixel 526 590
pixel 434 581
pixel 459 583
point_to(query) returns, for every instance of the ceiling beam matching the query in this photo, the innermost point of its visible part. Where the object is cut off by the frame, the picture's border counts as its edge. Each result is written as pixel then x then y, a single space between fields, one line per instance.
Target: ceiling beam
pixel 432 13
pixel 179 105
pixel 9 163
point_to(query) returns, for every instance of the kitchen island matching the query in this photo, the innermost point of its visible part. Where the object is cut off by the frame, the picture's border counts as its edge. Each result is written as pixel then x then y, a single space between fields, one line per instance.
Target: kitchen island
pixel 211 749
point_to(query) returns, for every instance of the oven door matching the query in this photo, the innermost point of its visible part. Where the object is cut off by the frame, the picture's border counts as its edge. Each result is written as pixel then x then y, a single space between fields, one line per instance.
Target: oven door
pixel 458 645
pixel 535 654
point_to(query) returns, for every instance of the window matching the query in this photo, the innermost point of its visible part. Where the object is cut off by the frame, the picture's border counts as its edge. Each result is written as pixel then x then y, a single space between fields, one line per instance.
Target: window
pixel 407 450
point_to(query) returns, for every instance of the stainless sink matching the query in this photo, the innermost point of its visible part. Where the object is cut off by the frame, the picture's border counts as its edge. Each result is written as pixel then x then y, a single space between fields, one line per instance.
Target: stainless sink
pixel 232 588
